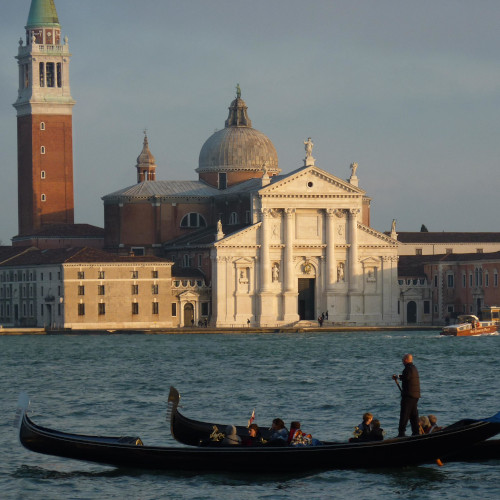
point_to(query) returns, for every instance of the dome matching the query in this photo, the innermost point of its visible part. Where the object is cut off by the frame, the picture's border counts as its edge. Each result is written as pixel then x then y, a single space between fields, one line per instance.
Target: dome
pixel 238 146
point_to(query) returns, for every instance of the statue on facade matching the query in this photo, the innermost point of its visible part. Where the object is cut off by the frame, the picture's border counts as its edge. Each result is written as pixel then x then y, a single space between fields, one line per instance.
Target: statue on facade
pixel 243 276
pixel 354 167
pixel 308 147
pixel 265 169
pixel 276 272
pixel 340 272
pixel 393 226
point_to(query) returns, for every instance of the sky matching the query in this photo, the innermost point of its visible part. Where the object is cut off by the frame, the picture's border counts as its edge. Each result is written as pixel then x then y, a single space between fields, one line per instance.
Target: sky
pixel 408 90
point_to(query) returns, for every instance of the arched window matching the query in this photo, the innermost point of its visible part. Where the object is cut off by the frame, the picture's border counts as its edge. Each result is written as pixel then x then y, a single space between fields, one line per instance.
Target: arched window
pixel 193 219
pixel 233 218
pixel 42 125
pixel 42 150
pixel 43 197
pixel 42 174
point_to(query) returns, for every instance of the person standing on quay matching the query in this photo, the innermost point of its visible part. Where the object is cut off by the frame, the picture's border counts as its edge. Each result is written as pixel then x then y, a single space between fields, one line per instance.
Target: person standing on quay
pixel 410 394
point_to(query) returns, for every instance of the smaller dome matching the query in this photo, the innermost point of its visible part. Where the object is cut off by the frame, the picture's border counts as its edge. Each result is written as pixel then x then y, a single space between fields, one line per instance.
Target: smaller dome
pixel 146 158
pixel 146 164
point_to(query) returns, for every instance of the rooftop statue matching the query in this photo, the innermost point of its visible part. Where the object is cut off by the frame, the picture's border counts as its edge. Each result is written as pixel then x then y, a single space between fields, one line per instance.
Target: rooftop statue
pixel 238 91
pixel 308 147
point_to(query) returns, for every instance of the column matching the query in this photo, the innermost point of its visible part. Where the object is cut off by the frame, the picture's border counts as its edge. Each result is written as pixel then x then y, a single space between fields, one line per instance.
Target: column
pixel 290 307
pixel 289 274
pixel 353 249
pixel 331 269
pixel 267 297
pixel 265 260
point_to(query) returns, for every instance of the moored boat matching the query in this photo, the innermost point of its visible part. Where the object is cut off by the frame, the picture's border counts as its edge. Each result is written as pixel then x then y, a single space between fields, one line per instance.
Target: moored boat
pixel 132 452
pixel 469 325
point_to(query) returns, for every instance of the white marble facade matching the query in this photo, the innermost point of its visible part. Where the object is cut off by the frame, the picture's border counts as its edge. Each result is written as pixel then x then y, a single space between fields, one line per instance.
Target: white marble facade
pixel 306 253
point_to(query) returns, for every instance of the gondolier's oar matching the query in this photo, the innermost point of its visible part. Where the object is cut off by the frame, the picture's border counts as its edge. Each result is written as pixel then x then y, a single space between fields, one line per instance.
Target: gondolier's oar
pixel 395 378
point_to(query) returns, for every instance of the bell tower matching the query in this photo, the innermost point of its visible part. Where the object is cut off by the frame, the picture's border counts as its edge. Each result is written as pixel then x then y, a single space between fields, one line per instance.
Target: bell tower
pixel 44 123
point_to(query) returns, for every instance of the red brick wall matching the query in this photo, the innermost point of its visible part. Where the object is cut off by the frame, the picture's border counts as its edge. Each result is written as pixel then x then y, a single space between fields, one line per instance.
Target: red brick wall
pixel 365 215
pixel 57 163
pixel 212 178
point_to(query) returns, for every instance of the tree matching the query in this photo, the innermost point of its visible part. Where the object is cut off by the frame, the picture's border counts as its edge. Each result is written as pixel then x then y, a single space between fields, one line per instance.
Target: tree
pixel 423 229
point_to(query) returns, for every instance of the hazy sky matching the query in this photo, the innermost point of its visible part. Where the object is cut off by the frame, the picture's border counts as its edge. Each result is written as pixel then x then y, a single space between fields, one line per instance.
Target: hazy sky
pixel 408 90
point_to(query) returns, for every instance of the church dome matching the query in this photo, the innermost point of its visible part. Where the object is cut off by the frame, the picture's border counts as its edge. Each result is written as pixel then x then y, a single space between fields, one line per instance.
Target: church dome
pixel 238 147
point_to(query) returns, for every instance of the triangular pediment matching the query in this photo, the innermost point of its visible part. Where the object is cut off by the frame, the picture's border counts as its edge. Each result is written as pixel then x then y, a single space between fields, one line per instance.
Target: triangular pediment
pixel 369 236
pixel 245 237
pixel 244 261
pixel 370 261
pixel 188 295
pixel 311 181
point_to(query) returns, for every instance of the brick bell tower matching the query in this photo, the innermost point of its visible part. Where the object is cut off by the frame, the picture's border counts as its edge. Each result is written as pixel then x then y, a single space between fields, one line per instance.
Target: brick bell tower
pixel 44 123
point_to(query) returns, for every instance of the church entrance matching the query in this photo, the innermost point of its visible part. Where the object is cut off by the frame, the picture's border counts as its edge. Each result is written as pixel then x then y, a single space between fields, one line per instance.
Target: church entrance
pixel 188 315
pixel 411 312
pixel 306 298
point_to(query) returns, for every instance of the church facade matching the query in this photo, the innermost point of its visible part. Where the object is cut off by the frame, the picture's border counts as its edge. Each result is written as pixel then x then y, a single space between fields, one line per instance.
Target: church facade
pixel 276 248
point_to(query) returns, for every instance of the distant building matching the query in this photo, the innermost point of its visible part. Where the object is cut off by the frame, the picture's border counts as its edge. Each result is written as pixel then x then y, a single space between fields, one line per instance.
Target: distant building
pixel 85 288
pixel 443 242
pixel 435 289
pixel 44 108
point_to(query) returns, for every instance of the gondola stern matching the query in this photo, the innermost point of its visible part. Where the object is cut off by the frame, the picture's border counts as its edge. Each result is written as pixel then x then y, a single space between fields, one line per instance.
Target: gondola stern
pixel 23 404
pixel 172 403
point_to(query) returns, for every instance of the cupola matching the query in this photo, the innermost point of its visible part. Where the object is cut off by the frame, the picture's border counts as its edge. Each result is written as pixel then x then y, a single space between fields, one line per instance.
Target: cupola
pixel 146 164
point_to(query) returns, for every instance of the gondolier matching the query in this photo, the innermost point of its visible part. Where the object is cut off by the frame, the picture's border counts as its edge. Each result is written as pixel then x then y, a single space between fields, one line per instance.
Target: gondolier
pixel 410 394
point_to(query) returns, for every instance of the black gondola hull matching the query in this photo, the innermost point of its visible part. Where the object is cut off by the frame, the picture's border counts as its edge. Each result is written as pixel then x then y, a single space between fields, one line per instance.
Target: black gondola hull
pixel 130 452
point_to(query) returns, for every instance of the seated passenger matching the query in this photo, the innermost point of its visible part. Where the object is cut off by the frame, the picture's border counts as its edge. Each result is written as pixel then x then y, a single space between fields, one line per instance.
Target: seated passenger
pixel 362 431
pixel 377 433
pixel 297 437
pixel 280 432
pixel 433 423
pixel 254 438
pixel 232 438
pixel 424 424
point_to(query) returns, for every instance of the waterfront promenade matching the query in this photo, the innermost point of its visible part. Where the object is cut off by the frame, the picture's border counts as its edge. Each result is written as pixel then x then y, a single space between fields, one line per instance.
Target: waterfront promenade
pixel 204 330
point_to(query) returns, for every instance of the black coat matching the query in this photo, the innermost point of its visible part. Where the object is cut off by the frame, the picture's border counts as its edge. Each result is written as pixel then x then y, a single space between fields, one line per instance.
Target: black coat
pixel 410 381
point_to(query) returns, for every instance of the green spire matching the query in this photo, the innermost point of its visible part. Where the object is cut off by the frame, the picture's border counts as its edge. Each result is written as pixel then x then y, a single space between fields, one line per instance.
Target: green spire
pixel 42 13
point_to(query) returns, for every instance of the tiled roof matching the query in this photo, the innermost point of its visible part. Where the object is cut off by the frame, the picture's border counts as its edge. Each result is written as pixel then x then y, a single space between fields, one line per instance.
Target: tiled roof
pixel 56 256
pixel 445 237
pixel 146 189
pixel 65 231
pixel 413 265
pixel 7 252
pixel 205 236
pixel 186 272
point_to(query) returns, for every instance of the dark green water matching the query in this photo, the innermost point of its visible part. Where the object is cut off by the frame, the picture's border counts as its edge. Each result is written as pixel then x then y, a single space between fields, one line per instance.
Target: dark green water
pixel 118 384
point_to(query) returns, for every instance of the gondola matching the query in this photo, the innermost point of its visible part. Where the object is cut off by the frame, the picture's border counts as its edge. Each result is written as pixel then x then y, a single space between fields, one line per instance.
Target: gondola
pixel 130 451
